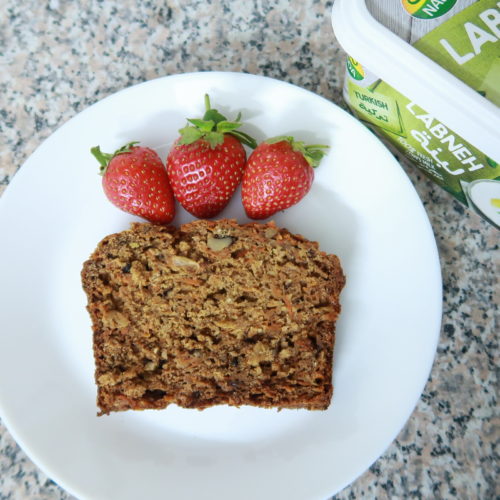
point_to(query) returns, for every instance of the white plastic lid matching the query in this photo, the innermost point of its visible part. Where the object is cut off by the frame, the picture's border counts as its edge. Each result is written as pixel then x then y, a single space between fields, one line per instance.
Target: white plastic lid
pixel 416 76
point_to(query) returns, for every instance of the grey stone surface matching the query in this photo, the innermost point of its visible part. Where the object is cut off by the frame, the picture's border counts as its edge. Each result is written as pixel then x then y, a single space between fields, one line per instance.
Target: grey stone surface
pixel 58 57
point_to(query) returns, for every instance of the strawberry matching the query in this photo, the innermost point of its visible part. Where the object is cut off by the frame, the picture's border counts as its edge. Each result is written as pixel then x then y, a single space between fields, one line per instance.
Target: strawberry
pixel 279 173
pixel 135 180
pixel 206 163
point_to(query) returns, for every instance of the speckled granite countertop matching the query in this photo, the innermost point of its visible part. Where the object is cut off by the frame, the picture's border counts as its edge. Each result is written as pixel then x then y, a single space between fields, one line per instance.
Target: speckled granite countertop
pixel 58 57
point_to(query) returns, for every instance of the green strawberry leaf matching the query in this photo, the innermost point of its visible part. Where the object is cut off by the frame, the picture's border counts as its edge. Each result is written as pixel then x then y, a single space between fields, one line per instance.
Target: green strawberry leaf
pixel 313 153
pixel 279 138
pixel 105 158
pixel 190 135
pixel 226 126
pixel 102 158
pixel 244 138
pixel 214 116
pixel 214 139
pixel 212 128
pixel 203 125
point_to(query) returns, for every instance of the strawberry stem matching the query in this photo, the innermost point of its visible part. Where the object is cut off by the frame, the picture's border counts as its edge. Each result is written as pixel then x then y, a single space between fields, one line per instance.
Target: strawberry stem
pixel 212 128
pixel 105 158
pixel 313 153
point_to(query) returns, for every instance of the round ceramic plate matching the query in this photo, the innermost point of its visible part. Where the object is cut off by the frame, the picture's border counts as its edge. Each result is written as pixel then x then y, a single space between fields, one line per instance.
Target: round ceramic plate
pixel 361 207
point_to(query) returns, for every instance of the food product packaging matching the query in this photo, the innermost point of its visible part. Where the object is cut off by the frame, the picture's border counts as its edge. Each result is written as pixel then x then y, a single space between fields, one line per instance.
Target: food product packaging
pixel 425 76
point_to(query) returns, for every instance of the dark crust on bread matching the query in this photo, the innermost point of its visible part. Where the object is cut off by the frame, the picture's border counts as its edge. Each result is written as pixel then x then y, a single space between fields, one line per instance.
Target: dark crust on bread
pixel 175 321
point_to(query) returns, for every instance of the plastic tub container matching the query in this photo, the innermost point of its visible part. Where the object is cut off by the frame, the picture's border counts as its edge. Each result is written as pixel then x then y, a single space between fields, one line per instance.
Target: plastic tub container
pixel 425 75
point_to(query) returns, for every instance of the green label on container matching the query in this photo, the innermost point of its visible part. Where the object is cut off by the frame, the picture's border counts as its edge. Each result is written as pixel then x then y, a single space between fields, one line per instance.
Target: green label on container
pixel 440 153
pixel 376 108
pixel 427 9
pixel 467 45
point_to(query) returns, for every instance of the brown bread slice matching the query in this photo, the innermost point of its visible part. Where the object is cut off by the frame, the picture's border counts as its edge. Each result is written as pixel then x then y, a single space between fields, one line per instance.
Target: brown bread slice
pixel 212 313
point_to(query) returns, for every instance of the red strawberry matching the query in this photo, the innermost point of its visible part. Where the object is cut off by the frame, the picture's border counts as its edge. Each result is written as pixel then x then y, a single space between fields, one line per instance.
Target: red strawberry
pixel 206 163
pixel 279 173
pixel 135 180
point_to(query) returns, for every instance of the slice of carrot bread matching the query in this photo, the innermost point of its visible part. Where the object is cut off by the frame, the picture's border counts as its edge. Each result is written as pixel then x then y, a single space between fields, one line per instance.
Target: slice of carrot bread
pixel 212 313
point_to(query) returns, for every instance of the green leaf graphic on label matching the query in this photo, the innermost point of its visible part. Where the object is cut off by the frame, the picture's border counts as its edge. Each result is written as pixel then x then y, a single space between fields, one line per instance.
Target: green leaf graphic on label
pixel 427 9
pixel 355 69
pixel 379 109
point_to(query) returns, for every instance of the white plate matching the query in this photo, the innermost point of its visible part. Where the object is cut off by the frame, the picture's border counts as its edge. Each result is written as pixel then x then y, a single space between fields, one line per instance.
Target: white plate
pixel 361 206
